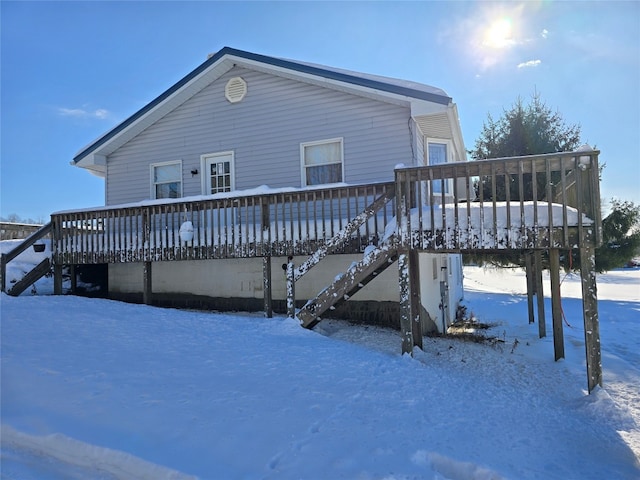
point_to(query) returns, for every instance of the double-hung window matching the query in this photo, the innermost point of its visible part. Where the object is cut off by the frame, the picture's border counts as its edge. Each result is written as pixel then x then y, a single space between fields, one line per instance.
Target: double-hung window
pixel 438 152
pixel 322 162
pixel 166 180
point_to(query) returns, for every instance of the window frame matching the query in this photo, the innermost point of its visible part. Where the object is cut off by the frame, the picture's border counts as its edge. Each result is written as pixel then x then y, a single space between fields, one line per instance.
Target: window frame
pixel 153 183
pixel 303 165
pixel 448 184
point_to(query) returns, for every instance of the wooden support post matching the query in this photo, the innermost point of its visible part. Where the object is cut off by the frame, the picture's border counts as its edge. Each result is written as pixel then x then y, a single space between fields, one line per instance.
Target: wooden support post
pixel 74 279
pixel 403 231
pixel 266 283
pixel 414 287
pixel 590 315
pixel 556 306
pixel 147 286
pixel 528 262
pixel 542 327
pixel 57 279
pixel 291 289
pixel 3 273
pixel 406 316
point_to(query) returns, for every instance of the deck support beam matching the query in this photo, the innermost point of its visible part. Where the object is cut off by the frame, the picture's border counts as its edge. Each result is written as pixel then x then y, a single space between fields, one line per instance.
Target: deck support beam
pixel 528 262
pixel 291 288
pixel 590 315
pixel 147 288
pixel 73 278
pixel 57 279
pixel 542 327
pixel 406 314
pixel 3 272
pixel 556 305
pixel 414 289
pixel 266 285
pixel 403 209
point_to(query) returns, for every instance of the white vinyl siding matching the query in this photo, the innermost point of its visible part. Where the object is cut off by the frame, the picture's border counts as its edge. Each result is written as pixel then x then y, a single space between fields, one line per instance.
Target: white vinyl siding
pixel 322 162
pixel 264 131
pixel 166 180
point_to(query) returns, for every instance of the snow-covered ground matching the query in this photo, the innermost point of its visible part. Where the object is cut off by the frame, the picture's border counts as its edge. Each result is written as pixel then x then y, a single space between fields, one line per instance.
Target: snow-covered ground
pixel 96 389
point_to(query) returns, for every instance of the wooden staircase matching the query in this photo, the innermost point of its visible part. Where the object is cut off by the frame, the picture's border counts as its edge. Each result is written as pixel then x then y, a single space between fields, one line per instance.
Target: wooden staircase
pixel 355 278
pixel 35 274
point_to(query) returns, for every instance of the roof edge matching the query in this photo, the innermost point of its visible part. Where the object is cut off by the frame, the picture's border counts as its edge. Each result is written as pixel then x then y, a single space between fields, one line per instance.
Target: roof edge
pixel 276 62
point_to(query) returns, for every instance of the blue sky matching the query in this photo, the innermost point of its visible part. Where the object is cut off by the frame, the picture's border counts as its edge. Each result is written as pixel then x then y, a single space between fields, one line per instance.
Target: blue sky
pixel 71 71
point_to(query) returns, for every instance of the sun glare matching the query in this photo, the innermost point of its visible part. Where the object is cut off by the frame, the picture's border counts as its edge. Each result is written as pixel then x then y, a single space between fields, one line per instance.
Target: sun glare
pixel 499 34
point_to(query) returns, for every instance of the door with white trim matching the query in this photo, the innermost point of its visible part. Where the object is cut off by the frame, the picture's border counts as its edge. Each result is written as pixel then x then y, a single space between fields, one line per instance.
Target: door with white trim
pixel 218 177
pixel 218 173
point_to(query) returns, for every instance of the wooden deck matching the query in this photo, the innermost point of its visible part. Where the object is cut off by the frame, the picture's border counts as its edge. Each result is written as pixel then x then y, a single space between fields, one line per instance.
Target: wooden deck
pixel 552 204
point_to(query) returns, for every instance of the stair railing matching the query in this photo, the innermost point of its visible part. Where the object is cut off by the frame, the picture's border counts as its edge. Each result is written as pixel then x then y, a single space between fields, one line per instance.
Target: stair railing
pixel 5 258
pixel 294 274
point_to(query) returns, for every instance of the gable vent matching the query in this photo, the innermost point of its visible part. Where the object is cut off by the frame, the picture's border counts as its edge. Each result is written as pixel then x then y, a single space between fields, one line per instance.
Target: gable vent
pixel 235 90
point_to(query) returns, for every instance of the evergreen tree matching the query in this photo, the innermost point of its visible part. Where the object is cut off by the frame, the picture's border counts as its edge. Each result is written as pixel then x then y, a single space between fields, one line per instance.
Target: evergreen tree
pixel 526 130
pixel 620 235
pixel 534 129
pixel 523 130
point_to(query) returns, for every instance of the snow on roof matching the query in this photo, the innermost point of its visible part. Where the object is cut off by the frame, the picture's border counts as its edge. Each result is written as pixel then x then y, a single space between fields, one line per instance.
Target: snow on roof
pixel 397 82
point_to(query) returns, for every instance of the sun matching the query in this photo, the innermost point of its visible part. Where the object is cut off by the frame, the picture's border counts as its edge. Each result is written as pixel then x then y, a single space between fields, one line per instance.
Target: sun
pixel 499 34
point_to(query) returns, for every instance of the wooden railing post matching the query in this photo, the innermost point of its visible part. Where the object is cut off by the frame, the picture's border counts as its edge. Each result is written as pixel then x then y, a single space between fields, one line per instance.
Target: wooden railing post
pixel 265 242
pixel 146 234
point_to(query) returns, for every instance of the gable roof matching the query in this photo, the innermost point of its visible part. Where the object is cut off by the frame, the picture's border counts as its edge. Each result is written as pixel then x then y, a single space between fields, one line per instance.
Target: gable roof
pixel 93 156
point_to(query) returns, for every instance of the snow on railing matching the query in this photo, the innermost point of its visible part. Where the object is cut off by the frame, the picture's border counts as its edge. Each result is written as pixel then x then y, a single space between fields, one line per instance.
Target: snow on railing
pixel 538 201
pixel 285 222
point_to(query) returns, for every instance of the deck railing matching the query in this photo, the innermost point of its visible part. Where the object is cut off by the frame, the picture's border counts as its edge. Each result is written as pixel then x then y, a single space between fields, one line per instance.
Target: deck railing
pixel 281 223
pixel 533 202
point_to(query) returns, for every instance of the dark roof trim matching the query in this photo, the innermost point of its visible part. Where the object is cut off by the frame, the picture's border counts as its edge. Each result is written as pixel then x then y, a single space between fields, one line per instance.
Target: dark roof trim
pixel 276 62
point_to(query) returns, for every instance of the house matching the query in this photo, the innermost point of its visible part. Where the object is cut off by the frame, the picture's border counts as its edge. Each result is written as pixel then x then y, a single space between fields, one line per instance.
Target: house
pixel 244 122
pixel 252 163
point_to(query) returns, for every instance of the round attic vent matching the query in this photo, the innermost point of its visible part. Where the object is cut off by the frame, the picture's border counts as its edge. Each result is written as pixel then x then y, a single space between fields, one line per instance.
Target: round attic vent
pixel 235 90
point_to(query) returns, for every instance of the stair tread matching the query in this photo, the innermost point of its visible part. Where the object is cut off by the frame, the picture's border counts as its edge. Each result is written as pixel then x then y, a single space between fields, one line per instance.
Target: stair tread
pixel 30 278
pixel 356 277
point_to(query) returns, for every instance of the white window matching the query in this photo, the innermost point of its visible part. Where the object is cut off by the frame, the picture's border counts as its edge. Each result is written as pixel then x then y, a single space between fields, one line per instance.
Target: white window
pixel 322 162
pixel 218 173
pixel 438 152
pixel 166 180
